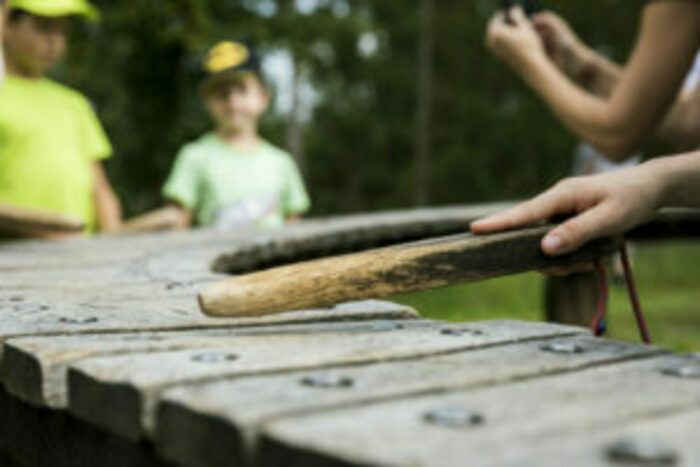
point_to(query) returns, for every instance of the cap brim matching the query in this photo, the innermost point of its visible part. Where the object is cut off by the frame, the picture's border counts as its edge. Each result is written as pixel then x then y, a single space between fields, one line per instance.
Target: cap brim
pixel 89 12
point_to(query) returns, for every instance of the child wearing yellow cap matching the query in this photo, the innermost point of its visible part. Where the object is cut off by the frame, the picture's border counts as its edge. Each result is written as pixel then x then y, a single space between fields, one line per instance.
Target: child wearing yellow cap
pixel 231 178
pixel 51 142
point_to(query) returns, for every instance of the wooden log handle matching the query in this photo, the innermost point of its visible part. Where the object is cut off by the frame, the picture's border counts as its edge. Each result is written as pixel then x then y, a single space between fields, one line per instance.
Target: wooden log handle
pixel 387 271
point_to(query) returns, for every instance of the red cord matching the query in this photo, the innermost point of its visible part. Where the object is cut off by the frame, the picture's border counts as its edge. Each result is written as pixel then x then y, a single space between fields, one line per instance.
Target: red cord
pixel 634 299
pixel 602 309
pixel 598 321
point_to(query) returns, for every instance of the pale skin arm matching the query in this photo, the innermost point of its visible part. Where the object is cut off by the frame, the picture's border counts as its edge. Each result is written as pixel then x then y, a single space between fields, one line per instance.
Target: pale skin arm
pixel 600 75
pixel 618 124
pixel 604 204
pixel 579 62
pixel 184 216
pixel 107 206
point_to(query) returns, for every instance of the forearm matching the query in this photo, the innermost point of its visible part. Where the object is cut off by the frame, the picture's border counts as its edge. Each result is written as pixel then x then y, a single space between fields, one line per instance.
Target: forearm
pixel 587 115
pixel 109 211
pixel 680 179
pixel 597 73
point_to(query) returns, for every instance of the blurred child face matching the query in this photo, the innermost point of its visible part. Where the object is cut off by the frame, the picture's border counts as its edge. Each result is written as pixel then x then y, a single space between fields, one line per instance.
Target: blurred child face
pixel 33 44
pixel 236 103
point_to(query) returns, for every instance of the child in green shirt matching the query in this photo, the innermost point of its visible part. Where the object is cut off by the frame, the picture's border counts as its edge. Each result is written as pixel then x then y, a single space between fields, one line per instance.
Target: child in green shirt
pixel 51 142
pixel 231 178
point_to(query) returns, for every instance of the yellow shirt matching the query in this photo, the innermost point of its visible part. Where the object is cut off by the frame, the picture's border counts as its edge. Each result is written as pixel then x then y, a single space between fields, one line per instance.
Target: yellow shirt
pixel 49 139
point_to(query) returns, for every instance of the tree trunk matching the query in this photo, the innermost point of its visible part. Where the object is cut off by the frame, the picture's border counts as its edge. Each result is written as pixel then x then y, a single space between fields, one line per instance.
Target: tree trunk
pixel 425 96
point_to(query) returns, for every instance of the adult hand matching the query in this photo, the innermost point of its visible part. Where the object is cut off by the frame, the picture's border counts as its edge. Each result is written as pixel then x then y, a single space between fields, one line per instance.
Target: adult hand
pixel 513 38
pixel 602 205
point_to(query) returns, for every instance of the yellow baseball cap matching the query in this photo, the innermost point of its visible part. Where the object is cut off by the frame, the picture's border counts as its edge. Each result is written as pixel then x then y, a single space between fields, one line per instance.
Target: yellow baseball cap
pixel 57 8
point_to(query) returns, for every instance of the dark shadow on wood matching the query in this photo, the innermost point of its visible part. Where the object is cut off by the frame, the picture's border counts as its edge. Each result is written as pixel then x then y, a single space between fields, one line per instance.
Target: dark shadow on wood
pixel 41 437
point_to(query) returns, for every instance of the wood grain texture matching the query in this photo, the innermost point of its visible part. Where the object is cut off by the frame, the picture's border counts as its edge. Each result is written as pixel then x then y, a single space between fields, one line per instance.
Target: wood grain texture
pixel 578 404
pixel 216 423
pixel 36 367
pixel 387 271
pixel 120 393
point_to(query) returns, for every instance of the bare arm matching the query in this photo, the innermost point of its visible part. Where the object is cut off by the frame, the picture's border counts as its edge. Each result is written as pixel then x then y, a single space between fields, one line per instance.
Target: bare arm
pixel 107 206
pixel 184 216
pixel 605 204
pixel 617 125
pixel 577 60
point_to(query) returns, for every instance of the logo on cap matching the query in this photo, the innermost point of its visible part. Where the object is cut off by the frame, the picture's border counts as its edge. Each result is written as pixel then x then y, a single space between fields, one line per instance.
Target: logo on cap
pixel 226 55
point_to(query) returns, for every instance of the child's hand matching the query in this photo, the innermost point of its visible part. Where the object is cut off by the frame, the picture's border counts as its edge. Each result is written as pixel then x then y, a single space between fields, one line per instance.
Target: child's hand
pixel 604 204
pixel 560 41
pixel 513 38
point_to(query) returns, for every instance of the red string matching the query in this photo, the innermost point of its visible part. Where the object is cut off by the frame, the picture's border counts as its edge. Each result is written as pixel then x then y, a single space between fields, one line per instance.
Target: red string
pixel 598 321
pixel 634 298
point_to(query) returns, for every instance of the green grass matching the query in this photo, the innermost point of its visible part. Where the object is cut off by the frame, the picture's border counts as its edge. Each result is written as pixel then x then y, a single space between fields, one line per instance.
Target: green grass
pixel 668 279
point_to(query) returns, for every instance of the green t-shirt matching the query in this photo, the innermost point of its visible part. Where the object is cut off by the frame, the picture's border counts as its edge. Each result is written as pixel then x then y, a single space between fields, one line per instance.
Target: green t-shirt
pixel 49 138
pixel 226 188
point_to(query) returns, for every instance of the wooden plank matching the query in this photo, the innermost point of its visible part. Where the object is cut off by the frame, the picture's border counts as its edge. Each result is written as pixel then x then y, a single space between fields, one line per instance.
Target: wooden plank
pixel 37 318
pixel 119 393
pixel 215 423
pixel 665 439
pixel 386 271
pixel 35 368
pixel 472 426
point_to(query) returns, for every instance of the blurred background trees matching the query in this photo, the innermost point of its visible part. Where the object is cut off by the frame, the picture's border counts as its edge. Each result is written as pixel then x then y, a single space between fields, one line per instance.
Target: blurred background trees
pixel 385 103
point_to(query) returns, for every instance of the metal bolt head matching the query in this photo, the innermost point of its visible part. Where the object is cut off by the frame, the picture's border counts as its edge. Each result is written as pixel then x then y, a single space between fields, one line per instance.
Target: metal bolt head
pixel 29 307
pixel 683 371
pixel 386 326
pixel 214 357
pixel 78 320
pixel 327 381
pixel 640 451
pixel 453 416
pixel 563 347
pixel 458 332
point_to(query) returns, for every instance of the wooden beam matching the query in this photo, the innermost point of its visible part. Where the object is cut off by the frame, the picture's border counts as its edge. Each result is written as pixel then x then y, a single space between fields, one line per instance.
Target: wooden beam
pixel 386 271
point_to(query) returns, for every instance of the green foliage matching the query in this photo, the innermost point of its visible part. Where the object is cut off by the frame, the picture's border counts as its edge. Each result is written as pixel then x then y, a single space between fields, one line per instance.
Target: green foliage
pixel 491 139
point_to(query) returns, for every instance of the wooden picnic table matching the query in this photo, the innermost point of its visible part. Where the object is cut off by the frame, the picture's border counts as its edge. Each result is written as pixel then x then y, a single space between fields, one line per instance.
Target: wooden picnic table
pixel 107 360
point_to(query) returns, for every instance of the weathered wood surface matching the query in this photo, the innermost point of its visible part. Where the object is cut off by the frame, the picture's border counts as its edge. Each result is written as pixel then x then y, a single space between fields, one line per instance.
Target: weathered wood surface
pixel 474 427
pixel 234 409
pixel 35 368
pixel 131 384
pixel 109 330
pixel 387 271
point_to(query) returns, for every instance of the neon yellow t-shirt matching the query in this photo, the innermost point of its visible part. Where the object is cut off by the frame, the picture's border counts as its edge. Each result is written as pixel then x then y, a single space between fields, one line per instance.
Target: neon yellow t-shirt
pixel 49 138
pixel 229 189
